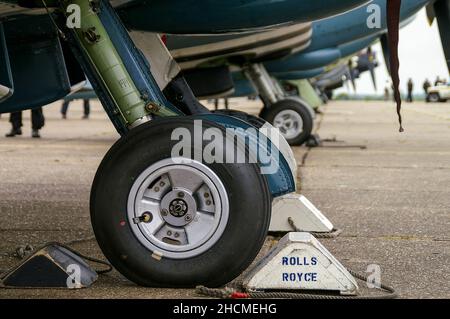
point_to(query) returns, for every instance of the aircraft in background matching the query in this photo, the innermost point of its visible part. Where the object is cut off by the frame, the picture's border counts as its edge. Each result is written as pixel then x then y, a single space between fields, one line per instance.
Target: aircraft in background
pixel 216 65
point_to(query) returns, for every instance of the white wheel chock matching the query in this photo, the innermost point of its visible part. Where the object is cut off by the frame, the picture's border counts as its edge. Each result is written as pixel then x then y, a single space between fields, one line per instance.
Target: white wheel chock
pixel 304 214
pixel 300 262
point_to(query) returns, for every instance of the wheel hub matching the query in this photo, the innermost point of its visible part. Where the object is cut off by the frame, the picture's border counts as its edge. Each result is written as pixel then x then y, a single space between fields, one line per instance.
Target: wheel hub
pixel 188 204
pixel 178 208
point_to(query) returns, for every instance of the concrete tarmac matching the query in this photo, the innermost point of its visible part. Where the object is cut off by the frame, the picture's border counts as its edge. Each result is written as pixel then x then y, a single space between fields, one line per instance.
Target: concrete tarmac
pixel 388 191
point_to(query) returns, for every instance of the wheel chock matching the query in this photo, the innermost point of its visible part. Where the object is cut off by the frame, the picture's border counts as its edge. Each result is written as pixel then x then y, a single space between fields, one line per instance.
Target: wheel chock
pixel 300 262
pixel 301 211
pixel 53 266
pixel 314 141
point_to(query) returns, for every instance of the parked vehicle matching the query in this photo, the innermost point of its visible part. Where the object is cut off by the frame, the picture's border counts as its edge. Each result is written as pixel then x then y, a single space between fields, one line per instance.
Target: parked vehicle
pixel 439 93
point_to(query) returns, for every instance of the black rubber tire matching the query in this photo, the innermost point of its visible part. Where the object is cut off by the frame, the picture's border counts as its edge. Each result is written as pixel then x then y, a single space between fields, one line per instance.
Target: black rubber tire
pixel 244 235
pixel 269 113
pixel 434 98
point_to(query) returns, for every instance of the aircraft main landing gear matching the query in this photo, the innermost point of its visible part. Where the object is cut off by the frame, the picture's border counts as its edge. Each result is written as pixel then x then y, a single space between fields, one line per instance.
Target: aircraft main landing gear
pixel 164 219
pixel 177 224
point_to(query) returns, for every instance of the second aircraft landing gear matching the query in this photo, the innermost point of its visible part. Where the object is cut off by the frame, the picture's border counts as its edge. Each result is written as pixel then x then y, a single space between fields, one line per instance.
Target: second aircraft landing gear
pixel 293 117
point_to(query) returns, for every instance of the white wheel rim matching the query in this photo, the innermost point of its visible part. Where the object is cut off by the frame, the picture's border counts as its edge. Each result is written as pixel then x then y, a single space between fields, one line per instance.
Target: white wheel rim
pixel 188 205
pixel 289 122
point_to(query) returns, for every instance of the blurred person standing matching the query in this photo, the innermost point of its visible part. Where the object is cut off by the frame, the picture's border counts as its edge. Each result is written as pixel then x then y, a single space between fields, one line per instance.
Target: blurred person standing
pixel 83 94
pixel 410 87
pixel 37 122
pixel 426 86
pixel 86 106
pixel 387 91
